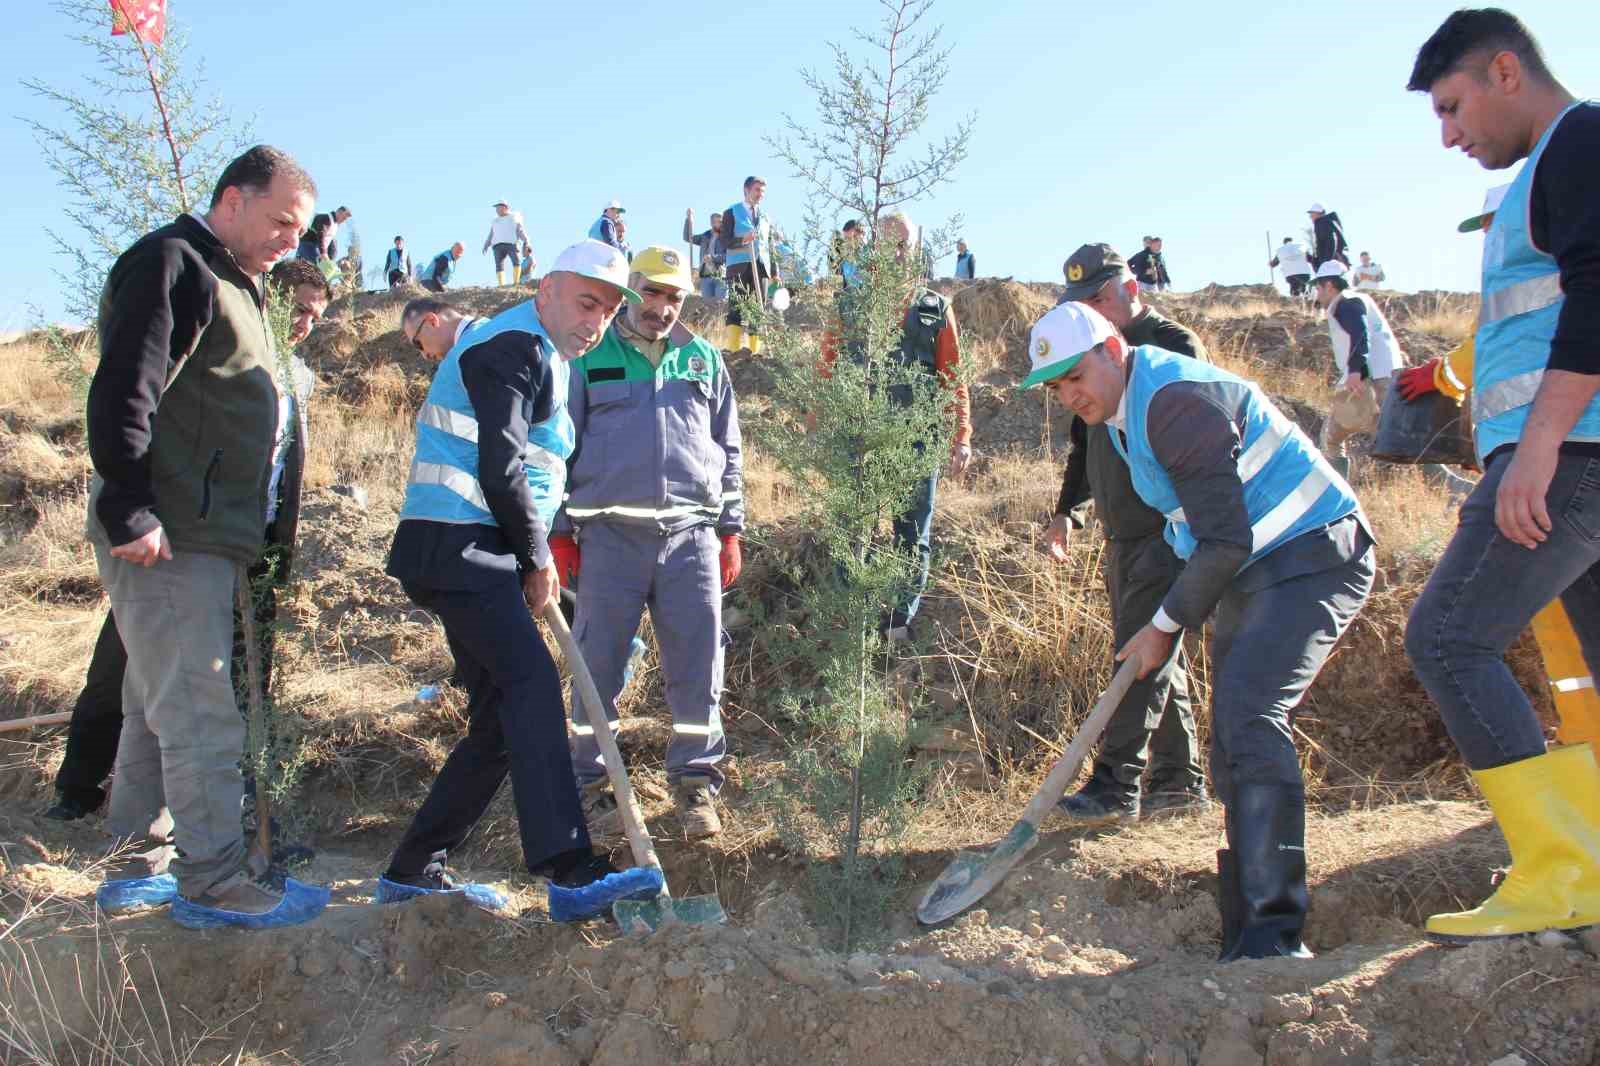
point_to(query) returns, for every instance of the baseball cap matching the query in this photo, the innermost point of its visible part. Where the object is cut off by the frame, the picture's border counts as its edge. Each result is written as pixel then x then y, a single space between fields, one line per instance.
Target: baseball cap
pixel 1331 269
pixel 618 205
pixel 597 260
pixel 1060 339
pixel 1315 209
pixel 1491 204
pixel 499 203
pixel 664 266
pixel 1089 268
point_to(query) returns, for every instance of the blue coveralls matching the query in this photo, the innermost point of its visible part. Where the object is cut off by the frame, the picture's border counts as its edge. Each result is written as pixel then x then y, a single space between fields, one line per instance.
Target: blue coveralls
pixel 655 481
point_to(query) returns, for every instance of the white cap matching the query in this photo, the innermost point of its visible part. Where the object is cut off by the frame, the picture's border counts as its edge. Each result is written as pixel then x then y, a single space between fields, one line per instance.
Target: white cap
pixel 1314 209
pixel 1060 338
pixel 597 260
pixel 1331 269
pixel 616 204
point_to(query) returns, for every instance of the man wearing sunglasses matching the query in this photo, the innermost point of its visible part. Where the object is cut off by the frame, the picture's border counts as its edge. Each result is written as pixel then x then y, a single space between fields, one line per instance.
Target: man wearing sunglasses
pixel 433 327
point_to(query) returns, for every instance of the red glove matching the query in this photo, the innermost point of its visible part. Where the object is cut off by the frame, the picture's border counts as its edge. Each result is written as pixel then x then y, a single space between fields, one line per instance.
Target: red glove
pixel 731 560
pixel 568 557
pixel 1417 381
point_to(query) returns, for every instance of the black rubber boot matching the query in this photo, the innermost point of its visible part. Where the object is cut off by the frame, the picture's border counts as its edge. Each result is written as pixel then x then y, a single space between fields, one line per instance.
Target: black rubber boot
pixel 1267 830
pixel 1229 902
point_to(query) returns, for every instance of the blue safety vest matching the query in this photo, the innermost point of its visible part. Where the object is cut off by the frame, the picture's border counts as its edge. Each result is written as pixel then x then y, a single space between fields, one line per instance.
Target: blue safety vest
pixel 742 225
pixel 1517 316
pixel 1289 488
pixel 443 486
pixel 440 272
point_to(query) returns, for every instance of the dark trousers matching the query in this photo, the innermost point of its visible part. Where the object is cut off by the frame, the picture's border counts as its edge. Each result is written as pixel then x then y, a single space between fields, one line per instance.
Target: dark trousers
pixel 1298 284
pixel 396 277
pixel 516 725
pixel 96 724
pixel 1155 720
pixel 913 532
pixel 745 278
pixel 431 285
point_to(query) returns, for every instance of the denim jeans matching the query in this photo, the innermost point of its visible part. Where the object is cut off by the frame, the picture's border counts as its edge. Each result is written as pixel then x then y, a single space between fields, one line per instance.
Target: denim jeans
pixel 913 530
pixel 713 289
pixel 1482 595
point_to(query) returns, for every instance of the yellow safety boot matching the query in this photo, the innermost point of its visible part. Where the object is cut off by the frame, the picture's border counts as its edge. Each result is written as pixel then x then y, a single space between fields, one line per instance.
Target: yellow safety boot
pixel 499 277
pixel 732 338
pixel 753 342
pixel 1548 808
pixel 1571 685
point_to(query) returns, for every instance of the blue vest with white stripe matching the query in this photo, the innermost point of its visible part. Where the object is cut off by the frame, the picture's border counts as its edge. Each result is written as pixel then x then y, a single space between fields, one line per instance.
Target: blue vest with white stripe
pixel 1289 488
pixel 1521 302
pixel 741 225
pixel 443 486
pixel 438 271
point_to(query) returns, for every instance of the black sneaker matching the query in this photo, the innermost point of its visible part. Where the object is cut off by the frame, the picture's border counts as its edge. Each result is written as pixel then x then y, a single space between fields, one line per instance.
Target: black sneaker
pixel 71 806
pixel 1174 801
pixel 1093 807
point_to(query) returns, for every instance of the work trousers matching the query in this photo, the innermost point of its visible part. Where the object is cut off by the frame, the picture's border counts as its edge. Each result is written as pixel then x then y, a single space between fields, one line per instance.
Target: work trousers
pixel 1155 720
pixel 182 736
pixel 627 568
pixel 514 726
pixel 1483 593
pixel 505 257
pixel 743 279
pixel 913 535
pixel 713 289
pixel 1267 646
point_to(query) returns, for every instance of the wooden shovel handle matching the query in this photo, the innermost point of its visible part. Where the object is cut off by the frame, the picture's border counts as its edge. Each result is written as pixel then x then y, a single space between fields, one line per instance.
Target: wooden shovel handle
pixel 1066 767
pixel 38 721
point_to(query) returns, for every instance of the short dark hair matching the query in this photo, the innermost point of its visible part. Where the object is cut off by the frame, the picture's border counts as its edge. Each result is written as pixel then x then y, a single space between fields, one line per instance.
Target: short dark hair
pixel 398 237
pixel 1475 36
pixel 343 208
pixel 423 305
pixel 1337 282
pixel 290 274
pixel 256 169
pixel 752 179
pixel 852 226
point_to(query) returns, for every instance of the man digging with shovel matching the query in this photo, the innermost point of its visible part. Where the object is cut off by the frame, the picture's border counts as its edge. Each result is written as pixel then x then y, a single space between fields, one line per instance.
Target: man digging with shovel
pixel 1273 542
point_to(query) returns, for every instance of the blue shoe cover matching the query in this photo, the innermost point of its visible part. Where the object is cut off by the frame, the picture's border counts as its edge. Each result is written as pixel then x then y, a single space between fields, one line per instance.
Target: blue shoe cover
pixel 301 903
pixel 129 894
pixel 575 904
pixel 478 895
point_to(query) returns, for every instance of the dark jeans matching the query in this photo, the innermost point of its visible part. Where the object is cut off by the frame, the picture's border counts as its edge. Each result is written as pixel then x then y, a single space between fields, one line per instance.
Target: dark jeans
pixel 913 530
pixel 741 281
pixel 516 725
pixel 1156 717
pixel 396 277
pixel 1482 595
pixel 1267 646
pixel 506 254
pixel 1298 284
pixel 431 285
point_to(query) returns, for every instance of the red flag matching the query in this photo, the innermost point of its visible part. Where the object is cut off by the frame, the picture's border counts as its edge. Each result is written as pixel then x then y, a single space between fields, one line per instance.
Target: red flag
pixel 146 19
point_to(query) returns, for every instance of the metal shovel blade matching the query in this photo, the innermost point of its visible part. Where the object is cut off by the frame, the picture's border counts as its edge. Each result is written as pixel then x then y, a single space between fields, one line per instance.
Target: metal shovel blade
pixel 648 915
pixel 973 873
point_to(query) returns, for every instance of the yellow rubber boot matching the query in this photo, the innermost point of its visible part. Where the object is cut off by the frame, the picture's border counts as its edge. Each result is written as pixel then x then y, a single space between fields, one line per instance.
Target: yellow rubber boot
pixel 499 277
pixel 1571 685
pixel 753 342
pixel 732 338
pixel 1548 808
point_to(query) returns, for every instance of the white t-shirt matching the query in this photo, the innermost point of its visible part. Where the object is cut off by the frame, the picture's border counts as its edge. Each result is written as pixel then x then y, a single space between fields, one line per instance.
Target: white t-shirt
pixel 503 230
pixel 1292 259
pixel 1369 276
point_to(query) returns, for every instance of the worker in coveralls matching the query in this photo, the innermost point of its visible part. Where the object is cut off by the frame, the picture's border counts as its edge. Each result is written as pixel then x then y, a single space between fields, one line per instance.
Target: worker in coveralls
pixel 1527 534
pixel 653 516
pixel 492 441
pixel 1273 542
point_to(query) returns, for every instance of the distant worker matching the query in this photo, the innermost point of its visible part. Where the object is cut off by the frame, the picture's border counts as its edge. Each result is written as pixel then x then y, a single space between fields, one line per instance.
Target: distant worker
pixel 1295 264
pixel 1327 237
pixel 320 240
pixel 851 238
pixel 653 516
pixel 1153 728
pixel 1369 275
pixel 748 236
pixel 1277 556
pixel 506 235
pixel 493 437
pixel 713 255
pixel 1149 267
pixel 966 263
pixel 1525 537
pixel 605 227
pixel 622 240
pixel 530 263
pixel 397 264
pixel 1366 355
pixel 435 276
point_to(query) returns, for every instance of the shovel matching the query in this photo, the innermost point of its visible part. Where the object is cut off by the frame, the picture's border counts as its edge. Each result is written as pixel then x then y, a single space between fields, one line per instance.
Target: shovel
pixel 633 915
pixel 973 873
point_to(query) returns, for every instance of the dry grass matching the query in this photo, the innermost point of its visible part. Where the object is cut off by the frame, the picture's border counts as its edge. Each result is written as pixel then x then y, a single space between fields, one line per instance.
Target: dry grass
pixel 1451 316
pixel 28 388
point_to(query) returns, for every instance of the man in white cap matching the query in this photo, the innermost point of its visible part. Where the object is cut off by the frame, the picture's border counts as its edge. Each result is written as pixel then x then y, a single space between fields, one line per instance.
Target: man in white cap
pixel 1327 237
pixel 1275 545
pixel 506 237
pixel 1366 353
pixel 654 512
pixel 605 227
pixel 493 437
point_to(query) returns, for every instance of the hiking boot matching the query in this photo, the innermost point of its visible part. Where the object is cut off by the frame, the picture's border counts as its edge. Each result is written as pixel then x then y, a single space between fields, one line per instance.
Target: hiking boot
pixel 1092 806
pixel 435 879
pixel 600 811
pixel 1174 801
pixel 71 806
pixel 250 903
pixel 697 808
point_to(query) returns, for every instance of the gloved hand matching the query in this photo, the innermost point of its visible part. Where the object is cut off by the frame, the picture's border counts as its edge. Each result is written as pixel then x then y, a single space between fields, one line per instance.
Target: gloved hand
pixel 1417 381
pixel 568 557
pixel 731 559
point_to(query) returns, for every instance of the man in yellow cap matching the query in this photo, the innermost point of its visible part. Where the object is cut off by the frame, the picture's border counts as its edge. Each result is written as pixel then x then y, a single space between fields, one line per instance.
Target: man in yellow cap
pixel 653 515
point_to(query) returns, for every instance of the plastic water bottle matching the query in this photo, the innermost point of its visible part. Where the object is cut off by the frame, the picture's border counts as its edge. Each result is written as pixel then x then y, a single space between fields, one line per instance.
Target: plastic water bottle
pixel 636 652
pixel 428 694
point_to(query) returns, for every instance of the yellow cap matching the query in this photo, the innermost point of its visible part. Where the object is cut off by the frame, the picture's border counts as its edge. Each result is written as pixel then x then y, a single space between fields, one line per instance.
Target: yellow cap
pixel 664 266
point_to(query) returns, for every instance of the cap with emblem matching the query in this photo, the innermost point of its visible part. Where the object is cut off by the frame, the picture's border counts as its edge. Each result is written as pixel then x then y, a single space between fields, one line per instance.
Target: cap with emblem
pixel 1089 268
pixel 663 266
pixel 618 205
pixel 1491 204
pixel 1315 209
pixel 597 260
pixel 1061 338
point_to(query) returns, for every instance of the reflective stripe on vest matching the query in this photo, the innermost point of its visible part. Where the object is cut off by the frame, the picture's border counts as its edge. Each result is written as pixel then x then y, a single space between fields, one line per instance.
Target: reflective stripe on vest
pixel 1253 460
pixel 1520 298
pixel 1572 684
pixel 1505 395
pixel 445 420
pixel 456 480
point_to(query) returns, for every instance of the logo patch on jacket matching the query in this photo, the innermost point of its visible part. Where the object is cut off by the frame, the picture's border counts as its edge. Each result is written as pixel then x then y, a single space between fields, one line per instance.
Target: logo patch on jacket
pixel 697 365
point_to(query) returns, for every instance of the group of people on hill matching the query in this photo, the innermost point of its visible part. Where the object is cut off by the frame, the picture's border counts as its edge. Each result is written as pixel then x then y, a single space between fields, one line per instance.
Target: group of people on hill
pixel 583 447
pixel 1300 264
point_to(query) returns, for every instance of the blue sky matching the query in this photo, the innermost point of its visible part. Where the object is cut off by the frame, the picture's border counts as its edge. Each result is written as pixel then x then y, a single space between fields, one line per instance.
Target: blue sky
pixel 1208 124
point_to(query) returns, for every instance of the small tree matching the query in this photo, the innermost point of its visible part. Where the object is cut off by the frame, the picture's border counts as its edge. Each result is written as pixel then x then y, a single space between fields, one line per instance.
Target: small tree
pixel 874 429
pixel 136 145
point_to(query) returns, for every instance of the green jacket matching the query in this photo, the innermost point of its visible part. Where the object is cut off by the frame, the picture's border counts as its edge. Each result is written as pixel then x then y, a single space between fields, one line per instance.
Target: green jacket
pixel 183 407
